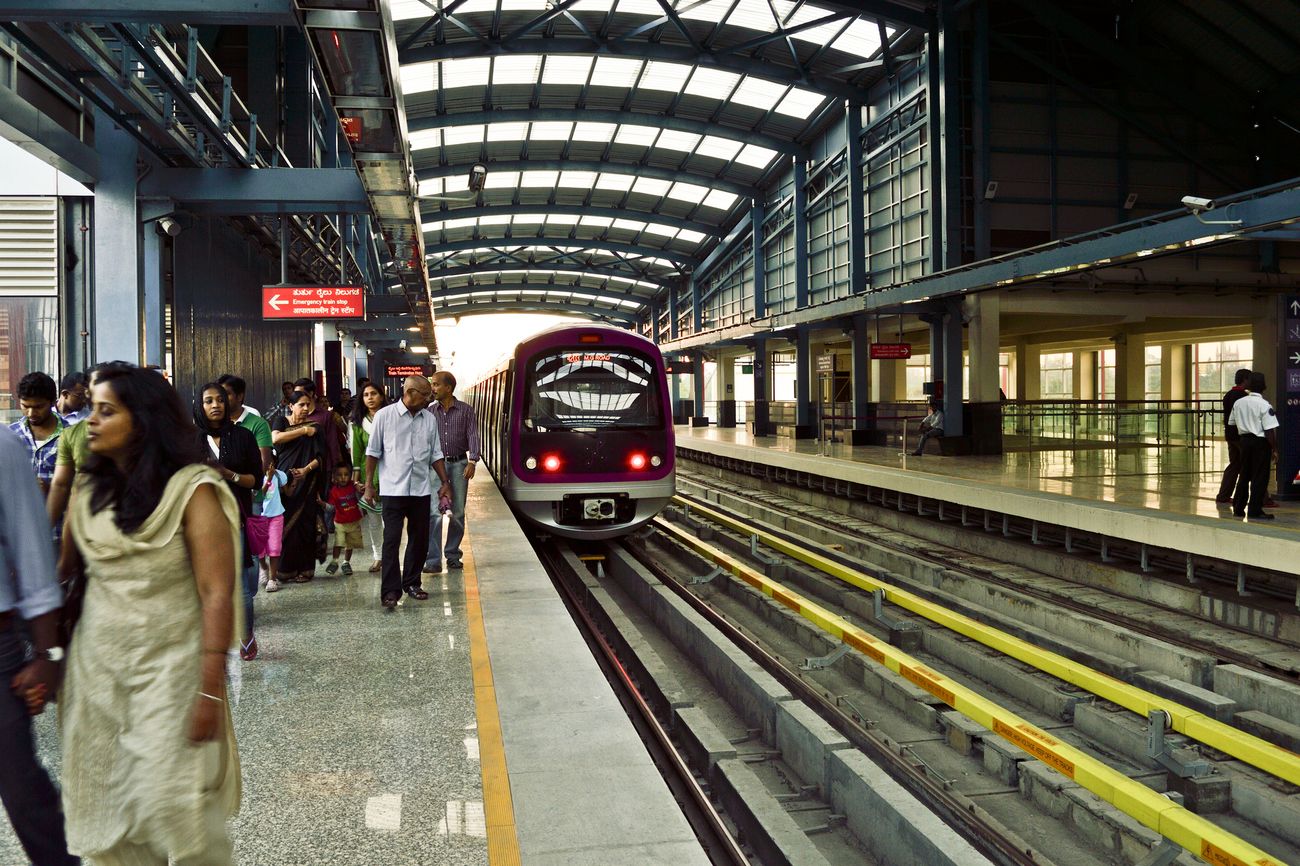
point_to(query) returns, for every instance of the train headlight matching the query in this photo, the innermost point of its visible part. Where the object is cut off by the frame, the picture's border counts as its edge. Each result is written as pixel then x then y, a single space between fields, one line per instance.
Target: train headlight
pixel 531 462
pixel 551 463
pixel 656 461
pixel 636 460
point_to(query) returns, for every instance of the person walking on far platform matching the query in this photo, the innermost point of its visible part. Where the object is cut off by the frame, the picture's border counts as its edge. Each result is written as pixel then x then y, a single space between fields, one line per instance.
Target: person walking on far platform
pixel 29 593
pixel 150 763
pixel 458 429
pixel 300 454
pixel 1255 419
pixel 404 446
pixel 369 400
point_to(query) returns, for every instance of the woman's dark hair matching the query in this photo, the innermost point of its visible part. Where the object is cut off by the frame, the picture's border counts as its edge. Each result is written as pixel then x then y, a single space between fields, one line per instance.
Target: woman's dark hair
pixel 163 441
pixel 201 417
pixel 359 410
pixel 298 394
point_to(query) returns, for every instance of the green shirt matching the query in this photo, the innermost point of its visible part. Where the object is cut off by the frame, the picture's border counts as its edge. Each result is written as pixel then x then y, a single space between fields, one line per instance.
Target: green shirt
pixel 74 448
pixel 256 424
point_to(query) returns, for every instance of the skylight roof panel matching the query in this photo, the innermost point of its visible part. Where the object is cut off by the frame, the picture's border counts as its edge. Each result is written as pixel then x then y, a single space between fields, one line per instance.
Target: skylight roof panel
pixel 419 77
pixel 522 5
pixel 562 219
pixel 615 182
pixel 603 222
pixel 578 179
pixel 551 131
pixel 719 199
pixel 602 132
pixel 712 11
pixel 430 226
pixel 566 69
pixel 463 223
pixel 501 180
pixel 516 69
pixel 692 237
pixel 688 192
pixel 634 7
pixel 456 184
pixel 621 72
pixel 651 186
pixel 753 155
pixel 466 72
pixel 752 15
pixel 757 93
pixel 405 10
pixel 529 219
pixel 636 135
pixel 661 230
pixel 680 141
pixel 712 83
pixel 668 77
pixel 496 219
pixel 507 131
pixel 454 135
pixel 724 149
pixel 800 103
pixel 538 178
pixel 472 6
pixel 862 38
pixel 433 186
pixel 629 225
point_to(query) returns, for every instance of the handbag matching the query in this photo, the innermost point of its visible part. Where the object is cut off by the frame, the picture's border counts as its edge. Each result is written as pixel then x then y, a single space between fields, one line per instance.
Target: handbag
pixel 72 573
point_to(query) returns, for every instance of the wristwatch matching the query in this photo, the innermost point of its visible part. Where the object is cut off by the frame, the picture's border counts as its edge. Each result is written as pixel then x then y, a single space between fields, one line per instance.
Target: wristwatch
pixel 53 654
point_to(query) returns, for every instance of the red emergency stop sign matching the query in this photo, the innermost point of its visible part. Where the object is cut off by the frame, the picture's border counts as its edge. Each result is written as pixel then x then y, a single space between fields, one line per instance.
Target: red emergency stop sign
pixel 313 302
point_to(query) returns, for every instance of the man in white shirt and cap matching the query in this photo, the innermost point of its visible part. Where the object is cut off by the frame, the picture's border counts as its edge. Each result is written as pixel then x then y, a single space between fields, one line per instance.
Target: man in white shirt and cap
pixel 1257 423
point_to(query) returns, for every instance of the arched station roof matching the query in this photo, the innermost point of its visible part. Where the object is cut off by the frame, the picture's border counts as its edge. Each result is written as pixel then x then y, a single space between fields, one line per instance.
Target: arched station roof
pixel 623 138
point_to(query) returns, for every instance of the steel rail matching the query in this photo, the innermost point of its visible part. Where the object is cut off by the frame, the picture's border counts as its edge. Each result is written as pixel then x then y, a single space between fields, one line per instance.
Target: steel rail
pixel 719 845
pixel 1192 832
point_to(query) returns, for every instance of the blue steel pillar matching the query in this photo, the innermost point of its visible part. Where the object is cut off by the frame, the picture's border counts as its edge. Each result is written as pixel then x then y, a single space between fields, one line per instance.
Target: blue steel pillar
pixel 672 313
pixel 803 408
pixel 760 269
pixel 697 308
pixel 857 204
pixel 762 414
pixel 151 295
pixel 115 331
pixel 864 411
pixel 800 234
pixel 953 403
pixel 698 419
pixel 945 141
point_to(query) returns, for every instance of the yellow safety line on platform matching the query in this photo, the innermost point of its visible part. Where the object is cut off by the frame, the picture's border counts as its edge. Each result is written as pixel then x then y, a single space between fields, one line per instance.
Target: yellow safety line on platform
pixel 1183 827
pixel 498 807
pixel 1272 759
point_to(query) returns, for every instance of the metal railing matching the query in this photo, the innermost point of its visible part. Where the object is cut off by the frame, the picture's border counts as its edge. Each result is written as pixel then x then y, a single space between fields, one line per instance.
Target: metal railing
pixel 1164 422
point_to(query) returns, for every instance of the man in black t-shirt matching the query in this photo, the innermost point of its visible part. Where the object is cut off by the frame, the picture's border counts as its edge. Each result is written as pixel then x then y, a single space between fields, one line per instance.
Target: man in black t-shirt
pixel 1233 469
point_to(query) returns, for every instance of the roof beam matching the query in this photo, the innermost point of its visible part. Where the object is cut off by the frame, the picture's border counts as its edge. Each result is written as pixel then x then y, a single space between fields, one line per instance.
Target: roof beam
pixel 518 289
pixel 253 13
pixel 625 168
pixel 531 306
pixel 589 115
pixel 625 213
pixel 264 191
pixel 559 269
pixel 672 53
pixel 500 242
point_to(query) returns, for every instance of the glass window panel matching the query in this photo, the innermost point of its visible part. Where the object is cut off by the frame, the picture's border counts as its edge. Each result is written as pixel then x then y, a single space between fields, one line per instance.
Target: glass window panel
pixel 755 156
pixel 661 230
pixel 551 131
pixel 507 131
pixel 724 149
pixel 501 180
pixel 578 179
pixel 712 83
pixel 668 77
pixel 719 199
pixel 800 103
pixel 630 7
pixel 690 236
pixel 432 186
pixel 758 93
pixel 495 220
pixel 637 135
pixel 466 72
pixel 425 139
pixel 539 178
pixel 671 139
pixel 618 72
pixel 862 39
pixel 454 135
pixel 594 131
pixel 566 69
pixel 603 222
pixel 629 225
pixel 615 182
pixel 651 186
pixel 419 77
pixel 562 219
pixel 688 192
pixel 516 69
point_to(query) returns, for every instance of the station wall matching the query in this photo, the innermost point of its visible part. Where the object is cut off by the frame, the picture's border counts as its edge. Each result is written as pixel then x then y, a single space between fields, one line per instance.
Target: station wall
pixel 217 322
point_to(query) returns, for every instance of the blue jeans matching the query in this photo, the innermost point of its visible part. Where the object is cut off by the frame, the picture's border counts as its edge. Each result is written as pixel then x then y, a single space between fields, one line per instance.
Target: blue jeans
pixel 250 590
pixel 456 518
pixel 28 795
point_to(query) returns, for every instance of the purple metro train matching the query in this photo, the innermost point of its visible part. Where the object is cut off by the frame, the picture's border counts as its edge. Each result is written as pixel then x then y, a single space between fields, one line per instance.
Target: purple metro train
pixel 576 427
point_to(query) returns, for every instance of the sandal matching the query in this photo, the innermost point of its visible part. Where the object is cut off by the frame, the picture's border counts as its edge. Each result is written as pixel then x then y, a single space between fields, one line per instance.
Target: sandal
pixel 303 577
pixel 248 651
pixel 376 566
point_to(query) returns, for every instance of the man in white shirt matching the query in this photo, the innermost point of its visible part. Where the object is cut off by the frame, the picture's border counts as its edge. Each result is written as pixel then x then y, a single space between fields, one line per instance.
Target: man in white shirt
pixel 1257 423
pixel 931 427
pixel 404 446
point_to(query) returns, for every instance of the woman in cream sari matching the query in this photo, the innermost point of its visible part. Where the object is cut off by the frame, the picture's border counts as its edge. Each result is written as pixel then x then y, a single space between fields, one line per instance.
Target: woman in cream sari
pixel 150 769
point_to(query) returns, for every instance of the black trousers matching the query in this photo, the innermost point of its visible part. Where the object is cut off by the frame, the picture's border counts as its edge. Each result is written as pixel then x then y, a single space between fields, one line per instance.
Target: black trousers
pixel 29 796
pixel 1252 485
pixel 1232 471
pixel 413 513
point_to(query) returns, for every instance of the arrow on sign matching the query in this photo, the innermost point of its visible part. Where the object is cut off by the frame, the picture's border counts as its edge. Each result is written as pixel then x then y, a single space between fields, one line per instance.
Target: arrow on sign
pixel 276 302
pixel 1295 358
pixel 1295 308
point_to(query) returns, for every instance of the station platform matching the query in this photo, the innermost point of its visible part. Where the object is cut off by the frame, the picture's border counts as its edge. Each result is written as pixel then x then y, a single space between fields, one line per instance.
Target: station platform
pixel 1163 497
pixel 471 728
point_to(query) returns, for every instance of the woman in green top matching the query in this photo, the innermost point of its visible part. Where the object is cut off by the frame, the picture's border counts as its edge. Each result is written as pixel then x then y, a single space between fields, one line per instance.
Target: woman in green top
pixel 370 401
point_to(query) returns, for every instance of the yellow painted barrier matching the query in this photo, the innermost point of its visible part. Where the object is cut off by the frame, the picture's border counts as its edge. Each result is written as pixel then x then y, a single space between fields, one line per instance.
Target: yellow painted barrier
pixel 1272 759
pixel 1185 828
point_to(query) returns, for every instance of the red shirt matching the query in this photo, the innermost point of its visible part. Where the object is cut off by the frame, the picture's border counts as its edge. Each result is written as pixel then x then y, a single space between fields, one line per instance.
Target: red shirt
pixel 344 500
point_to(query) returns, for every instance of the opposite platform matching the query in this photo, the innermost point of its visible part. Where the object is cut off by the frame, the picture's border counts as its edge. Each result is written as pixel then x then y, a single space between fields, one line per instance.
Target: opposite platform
pixel 1101 492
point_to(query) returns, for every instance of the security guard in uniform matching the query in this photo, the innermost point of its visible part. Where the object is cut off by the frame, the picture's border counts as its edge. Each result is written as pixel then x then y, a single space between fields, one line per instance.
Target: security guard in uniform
pixel 1257 422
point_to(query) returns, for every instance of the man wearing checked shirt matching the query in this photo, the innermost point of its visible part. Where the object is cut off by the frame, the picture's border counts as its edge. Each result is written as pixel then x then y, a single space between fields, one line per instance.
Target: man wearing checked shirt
pixel 39 428
pixel 458 429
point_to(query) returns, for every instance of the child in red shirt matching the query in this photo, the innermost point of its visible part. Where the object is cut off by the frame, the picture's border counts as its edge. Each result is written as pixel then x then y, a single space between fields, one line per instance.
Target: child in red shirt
pixel 344 498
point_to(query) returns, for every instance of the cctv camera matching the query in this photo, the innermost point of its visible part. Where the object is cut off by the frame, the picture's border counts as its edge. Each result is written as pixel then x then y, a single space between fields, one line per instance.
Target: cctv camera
pixel 169 226
pixel 1196 204
pixel 477 176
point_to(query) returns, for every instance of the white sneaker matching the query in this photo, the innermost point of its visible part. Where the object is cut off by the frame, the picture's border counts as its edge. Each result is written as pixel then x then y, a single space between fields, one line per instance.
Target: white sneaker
pixel 262 577
pixel 272 585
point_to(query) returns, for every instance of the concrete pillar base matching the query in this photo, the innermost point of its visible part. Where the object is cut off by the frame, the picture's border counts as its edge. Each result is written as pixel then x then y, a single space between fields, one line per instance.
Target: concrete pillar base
pixel 727 413
pixel 867 437
pixel 761 422
pixel 984 427
pixel 804 431
pixel 699 421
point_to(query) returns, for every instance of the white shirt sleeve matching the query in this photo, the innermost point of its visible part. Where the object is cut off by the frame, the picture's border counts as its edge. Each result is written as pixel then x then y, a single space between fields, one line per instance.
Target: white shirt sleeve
pixel 375 447
pixel 1269 420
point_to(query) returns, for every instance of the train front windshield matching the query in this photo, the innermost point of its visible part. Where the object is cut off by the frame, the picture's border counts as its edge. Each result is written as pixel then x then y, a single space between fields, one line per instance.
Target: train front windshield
pixel 589 389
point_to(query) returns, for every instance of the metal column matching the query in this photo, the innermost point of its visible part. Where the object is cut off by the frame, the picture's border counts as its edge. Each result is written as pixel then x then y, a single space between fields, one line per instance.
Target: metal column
pixel 697 308
pixel 953 423
pixel 760 268
pixel 115 331
pixel 800 234
pixel 151 295
pixel 672 313
pixel 857 204
pixel 699 419
pixel 804 426
pixel 762 416
pixel 864 424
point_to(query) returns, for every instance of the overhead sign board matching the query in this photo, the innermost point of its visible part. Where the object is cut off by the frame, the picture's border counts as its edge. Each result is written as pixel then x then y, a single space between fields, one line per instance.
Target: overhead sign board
pixel 313 302
pixel 891 351
pixel 401 371
pixel 826 363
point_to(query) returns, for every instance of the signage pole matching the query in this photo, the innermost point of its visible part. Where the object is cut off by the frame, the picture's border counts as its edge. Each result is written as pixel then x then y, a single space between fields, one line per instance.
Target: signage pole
pixel 284 249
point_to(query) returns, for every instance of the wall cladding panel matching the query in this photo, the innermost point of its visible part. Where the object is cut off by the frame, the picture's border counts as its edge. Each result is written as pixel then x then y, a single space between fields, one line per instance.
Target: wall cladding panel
pixel 217 315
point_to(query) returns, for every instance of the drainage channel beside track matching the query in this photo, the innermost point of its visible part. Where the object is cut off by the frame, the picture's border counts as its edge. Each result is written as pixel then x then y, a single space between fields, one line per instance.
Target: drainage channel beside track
pixel 1243 809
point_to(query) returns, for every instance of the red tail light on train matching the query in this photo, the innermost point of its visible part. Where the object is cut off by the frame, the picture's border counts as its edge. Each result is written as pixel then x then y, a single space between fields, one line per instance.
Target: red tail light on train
pixel 637 461
pixel 552 463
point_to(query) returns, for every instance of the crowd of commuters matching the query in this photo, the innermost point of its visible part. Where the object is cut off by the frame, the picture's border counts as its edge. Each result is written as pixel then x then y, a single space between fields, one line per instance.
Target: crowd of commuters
pixel 124 592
